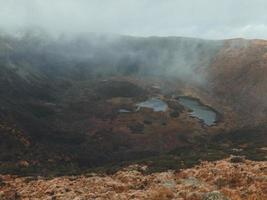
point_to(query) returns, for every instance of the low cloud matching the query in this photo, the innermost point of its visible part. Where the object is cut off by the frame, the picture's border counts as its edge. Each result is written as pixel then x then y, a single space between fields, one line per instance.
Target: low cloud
pixel 212 19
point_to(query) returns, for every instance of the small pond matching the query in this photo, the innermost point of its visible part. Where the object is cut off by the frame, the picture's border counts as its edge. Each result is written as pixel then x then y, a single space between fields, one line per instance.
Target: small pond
pixel 199 110
pixel 124 111
pixel 154 103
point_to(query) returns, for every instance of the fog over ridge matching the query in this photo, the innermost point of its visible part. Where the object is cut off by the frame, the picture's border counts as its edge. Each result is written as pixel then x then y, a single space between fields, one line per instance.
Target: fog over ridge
pixel 169 57
pixel 97 33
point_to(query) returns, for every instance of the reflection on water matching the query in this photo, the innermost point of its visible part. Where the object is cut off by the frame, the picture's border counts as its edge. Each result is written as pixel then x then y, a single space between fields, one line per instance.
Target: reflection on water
pixel 123 111
pixel 154 103
pixel 200 111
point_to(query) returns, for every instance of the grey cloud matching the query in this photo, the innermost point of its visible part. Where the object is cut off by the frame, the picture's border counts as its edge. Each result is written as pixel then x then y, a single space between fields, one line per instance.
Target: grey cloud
pixel 213 19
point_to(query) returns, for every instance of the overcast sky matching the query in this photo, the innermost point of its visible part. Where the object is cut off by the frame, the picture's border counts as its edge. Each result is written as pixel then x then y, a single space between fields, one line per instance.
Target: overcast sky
pixel 212 19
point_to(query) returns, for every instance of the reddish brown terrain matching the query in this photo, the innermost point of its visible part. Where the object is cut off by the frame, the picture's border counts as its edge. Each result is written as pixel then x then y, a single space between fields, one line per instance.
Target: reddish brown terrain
pixel 233 178
pixel 238 78
pixel 69 108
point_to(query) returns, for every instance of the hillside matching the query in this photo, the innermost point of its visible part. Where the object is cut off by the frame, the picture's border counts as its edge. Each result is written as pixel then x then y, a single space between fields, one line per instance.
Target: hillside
pixel 238 77
pixel 63 101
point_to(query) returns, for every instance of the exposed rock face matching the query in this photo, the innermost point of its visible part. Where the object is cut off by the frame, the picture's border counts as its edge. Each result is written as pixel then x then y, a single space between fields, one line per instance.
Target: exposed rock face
pixel 221 180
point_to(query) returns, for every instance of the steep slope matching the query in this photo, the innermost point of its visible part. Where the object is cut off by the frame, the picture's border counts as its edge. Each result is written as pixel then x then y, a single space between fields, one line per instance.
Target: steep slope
pixel 238 77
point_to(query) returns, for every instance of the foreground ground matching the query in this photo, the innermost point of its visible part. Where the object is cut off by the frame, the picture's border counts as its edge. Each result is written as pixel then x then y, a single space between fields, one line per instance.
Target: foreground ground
pixel 233 178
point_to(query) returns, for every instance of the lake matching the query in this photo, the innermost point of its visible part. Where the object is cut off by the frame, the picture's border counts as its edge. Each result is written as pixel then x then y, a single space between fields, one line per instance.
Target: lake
pixel 204 113
pixel 154 103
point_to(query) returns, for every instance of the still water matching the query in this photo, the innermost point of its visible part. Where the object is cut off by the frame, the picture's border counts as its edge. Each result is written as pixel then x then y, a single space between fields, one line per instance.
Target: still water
pixel 154 103
pixel 200 111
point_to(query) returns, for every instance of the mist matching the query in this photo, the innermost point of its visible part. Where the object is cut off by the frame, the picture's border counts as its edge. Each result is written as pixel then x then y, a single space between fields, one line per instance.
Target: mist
pixel 155 38
pixel 209 19
pixel 104 55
